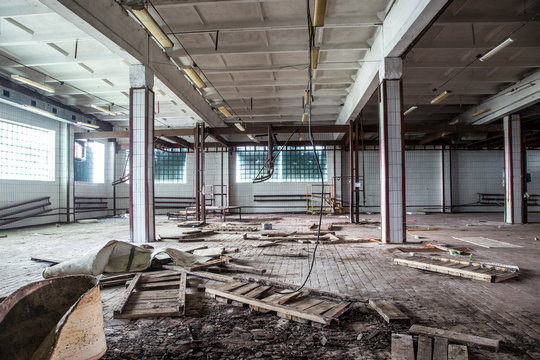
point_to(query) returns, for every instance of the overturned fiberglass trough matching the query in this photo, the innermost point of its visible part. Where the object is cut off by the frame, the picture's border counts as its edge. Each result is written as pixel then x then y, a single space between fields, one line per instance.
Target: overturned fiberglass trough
pixel 59 318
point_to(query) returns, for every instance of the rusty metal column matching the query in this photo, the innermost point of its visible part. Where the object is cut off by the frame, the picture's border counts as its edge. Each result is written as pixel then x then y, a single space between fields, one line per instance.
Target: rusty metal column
pixel 351 172
pixel 201 154
pixel 356 175
pixel 141 146
pixel 196 146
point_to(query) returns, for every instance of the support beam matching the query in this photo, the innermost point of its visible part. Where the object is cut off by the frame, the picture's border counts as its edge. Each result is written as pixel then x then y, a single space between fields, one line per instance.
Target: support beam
pixel 514 179
pixel 518 96
pixel 109 23
pixel 392 152
pixel 180 141
pixel 141 149
pixel 405 21
pixel 446 179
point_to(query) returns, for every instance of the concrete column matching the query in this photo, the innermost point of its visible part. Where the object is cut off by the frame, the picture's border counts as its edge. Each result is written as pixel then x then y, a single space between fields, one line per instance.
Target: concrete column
pixel 514 182
pixel 392 158
pixel 446 179
pixel 141 150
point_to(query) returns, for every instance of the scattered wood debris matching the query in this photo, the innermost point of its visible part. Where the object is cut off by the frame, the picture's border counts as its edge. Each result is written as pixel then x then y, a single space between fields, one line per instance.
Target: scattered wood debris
pixel 50 261
pixel 299 255
pixel 190 224
pixel 465 269
pixel 424 350
pixel 456 337
pixel 298 306
pixel 389 312
pixel 219 261
pixel 115 280
pixel 189 236
pixel 327 227
pixel 402 347
pixel 149 295
pixel 232 228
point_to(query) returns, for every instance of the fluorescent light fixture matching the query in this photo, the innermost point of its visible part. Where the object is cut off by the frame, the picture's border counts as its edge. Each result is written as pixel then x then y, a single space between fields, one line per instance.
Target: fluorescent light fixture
pixel 240 126
pixel 496 49
pixel 304 117
pixel 441 97
pixel 519 88
pixel 314 57
pixel 320 11
pixel 107 111
pixel 84 125
pixel 192 74
pixel 152 26
pixel 32 83
pixel 410 110
pixel 253 138
pixel 453 122
pixel 224 111
pixel 480 112
pixel 38 110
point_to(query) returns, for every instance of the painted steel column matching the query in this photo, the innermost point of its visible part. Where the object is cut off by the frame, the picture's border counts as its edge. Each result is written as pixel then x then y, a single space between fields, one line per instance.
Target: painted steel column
pixel 351 173
pixel 196 146
pixel 392 170
pixel 446 179
pixel 514 181
pixel 141 149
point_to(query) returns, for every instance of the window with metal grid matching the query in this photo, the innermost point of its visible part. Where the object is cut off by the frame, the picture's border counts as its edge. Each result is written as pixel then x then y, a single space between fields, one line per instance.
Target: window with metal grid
pixel 26 152
pixel 91 168
pixel 170 166
pixel 292 165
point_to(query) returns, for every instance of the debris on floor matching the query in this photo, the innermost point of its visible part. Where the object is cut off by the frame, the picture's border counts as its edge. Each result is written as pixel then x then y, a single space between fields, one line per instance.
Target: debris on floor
pixel 153 295
pixel 231 227
pixel 189 235
pixel 457 337
pixel 327 227
pixel 298 305
pixel 191 224
pixel 466 269
pixel 388 311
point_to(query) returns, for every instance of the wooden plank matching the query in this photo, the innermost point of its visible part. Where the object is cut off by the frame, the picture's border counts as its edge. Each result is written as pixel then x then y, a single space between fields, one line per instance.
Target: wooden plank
pixel 306 303
pixel 457 352
pixel 285 298
pixel 182 294
pixel 338 310
pixel 424 348
pixel 258 292
pixel 125 297
pixel 221 260
pixel 155 294
pixel 135 314
pixel 154 279
pixel 231 286
pixel 388 311
pixel 201 274
pixel 440 348
pixel 272 307
pixel 321 308
pixel 245 289
pixel 244 268
pixel 457 337
pixel 443 269
pixel 159 285
pixel 402 347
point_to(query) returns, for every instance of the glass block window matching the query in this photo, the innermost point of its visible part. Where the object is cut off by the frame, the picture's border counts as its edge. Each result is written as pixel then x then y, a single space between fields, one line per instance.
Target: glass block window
pixel 26 152
pixel 91 168
pixel 292 164
pixel 170 166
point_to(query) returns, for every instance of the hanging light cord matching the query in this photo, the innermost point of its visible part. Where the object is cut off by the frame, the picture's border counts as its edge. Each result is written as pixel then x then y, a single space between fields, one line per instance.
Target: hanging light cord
pixel 311 38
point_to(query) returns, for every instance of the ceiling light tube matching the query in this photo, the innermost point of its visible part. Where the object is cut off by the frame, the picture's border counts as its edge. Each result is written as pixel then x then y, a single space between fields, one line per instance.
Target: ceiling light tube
pixel 441 97
pixel 410 110
pixel 320 11
pixel 102 109
pixel 224 111
pixel 32 83
pixel 152 26
pixel 496 49
pixel 480 112
pixel 253 138
pixel 86 125
pixel 314 57
pixel 304 117
pixel 192 74
pixel 240 126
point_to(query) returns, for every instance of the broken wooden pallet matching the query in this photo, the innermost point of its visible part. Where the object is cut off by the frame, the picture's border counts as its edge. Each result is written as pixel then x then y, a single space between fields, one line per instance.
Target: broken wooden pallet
pixel 298 306
pixel 455 337
pixel 232 228
pixel 389 312
pixel 463 269
pixel 150 295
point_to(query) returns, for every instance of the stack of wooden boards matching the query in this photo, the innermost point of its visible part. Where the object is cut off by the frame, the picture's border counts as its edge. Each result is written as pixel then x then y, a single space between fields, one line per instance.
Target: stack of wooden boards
pixel 437 344
pixel 466 269
pixel 148 295
pixel 299 306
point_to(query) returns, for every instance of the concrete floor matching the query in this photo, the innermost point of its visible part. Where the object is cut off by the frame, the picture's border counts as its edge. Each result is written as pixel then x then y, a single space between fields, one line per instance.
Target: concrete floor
pixel 508 310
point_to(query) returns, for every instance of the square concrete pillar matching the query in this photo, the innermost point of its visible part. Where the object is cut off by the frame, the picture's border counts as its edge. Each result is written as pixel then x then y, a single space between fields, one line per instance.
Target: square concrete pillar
pixel 141 150
pixel 446 179
pixel 514 174
pixel 392 159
